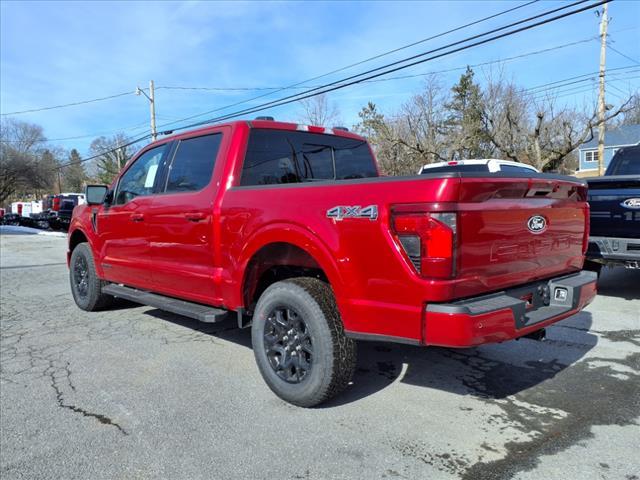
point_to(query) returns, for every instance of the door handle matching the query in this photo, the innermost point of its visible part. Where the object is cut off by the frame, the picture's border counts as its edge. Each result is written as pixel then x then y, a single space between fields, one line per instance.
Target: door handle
pixel 137 217
pixel 194 216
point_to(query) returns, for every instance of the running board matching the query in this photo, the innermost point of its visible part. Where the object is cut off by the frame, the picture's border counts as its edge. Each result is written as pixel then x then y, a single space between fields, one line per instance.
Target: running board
pixel 204 313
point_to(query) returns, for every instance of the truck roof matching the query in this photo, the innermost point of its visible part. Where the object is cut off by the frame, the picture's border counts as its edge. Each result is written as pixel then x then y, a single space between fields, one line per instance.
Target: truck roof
pixel 492 163
pixel 260 123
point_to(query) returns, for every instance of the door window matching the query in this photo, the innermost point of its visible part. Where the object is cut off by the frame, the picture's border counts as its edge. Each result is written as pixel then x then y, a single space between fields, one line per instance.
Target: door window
pixel 193 163
pixel 140 177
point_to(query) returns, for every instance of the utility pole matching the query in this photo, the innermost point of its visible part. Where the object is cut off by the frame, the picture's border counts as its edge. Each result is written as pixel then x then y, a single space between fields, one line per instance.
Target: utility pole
pixel 604 22
pixel 152 106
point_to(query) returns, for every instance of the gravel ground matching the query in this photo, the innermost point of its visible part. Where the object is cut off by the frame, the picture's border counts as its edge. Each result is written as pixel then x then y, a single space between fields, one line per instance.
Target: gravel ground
pixel 138 393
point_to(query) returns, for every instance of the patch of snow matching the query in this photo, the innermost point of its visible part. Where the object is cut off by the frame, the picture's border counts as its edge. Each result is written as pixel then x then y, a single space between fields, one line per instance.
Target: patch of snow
pixel 18 230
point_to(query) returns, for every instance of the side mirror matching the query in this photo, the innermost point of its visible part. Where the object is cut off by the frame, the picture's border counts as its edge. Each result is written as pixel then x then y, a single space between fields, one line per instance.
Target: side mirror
pixel 96 194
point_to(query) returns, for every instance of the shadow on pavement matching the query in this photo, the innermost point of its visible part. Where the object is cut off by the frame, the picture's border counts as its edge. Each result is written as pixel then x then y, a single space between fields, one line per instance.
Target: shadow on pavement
pixel 490 371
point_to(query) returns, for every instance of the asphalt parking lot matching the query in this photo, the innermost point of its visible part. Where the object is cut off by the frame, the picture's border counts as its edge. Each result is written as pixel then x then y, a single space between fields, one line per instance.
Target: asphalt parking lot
pixel 138 393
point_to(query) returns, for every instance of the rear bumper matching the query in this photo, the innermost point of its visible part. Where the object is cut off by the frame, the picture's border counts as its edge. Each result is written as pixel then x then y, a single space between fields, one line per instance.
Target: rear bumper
pixel 605 249
pixel 509 314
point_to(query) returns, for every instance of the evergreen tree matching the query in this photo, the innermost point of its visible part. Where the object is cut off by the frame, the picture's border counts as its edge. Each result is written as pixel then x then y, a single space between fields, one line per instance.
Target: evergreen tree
pixel 465 127
pixel 74 175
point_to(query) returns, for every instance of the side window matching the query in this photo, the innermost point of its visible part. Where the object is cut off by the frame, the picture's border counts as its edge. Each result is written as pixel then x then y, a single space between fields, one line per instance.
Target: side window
pixel 353 160
pixel 283 156
pixel 271 158
pixel 140 177
pixel 193 163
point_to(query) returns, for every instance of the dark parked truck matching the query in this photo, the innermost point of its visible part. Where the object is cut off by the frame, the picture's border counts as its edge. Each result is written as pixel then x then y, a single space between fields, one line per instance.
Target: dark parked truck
pixel 615 212
pixel 292 228
pixel 61 208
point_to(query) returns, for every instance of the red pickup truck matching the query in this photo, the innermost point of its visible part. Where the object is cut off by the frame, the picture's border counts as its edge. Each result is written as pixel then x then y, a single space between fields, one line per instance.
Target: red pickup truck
pixel 293 228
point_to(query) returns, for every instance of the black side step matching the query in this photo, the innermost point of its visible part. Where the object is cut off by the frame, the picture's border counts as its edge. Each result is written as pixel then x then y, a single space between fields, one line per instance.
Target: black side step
pixel 204 313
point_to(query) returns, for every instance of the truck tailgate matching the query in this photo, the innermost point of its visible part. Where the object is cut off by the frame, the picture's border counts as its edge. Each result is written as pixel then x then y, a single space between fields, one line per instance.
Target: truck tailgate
pixel 610 216
pixel 515 230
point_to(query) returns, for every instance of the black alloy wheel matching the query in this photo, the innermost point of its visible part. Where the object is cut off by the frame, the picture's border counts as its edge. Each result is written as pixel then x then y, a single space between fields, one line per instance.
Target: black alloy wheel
pixel 81 276
pixel 288 345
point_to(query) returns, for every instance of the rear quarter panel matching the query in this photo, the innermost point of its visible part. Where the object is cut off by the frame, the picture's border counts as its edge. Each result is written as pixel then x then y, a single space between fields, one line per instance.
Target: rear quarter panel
pixel 359 256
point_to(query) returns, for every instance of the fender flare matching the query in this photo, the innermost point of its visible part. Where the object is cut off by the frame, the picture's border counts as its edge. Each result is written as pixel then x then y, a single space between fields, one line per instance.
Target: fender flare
pixel 79 227
pixel 298 236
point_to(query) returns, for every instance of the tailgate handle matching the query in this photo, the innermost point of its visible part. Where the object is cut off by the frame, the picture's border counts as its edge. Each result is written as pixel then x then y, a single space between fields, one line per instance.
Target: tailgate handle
pixel 194 216
pixel 137 217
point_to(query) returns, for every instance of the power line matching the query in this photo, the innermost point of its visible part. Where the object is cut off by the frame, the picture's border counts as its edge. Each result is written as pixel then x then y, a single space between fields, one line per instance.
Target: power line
pixel 399 77
pixel 343 68
pixel 537 52
pixel 541 89
pixel 340 83
pixel 590 76
pixel 82 102
pixel 97 155
pixel 378 56
pixel 622 54
pixel 89 135
pixel 277 89
pixel 280 88
pixel 576 89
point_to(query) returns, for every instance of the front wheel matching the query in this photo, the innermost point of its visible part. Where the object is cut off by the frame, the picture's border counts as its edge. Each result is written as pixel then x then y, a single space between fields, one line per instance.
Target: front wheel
pixel 299 342
pixel 86 287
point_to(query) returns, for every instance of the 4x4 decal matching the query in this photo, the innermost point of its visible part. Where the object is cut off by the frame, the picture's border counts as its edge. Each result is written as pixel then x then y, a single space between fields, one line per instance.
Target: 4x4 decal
pixel 356 211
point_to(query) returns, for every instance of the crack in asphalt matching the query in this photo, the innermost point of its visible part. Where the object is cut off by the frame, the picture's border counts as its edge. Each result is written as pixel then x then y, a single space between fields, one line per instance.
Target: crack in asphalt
pixel 34 341
pixel 103 419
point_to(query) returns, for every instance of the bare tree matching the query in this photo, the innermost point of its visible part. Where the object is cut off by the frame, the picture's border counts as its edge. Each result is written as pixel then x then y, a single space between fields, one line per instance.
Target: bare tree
pixel 632 115
pixel 27 167
pixel 537 132
pixel 113 155
pixel 318 110
pixel 499 119
pixel 422 124
pixel 413 137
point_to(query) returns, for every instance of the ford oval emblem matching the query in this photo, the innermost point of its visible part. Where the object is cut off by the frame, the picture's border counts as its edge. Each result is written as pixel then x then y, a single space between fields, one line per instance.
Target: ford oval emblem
pixel 632 203
pixel 537 224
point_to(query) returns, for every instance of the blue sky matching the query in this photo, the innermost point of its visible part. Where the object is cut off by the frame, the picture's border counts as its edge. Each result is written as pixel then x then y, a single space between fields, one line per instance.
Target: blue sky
pixel 54 53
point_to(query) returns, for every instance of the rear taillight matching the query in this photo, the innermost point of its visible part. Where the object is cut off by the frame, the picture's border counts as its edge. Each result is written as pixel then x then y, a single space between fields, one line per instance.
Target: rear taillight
pixel 428 240
pixel 587 227
pixel 56 204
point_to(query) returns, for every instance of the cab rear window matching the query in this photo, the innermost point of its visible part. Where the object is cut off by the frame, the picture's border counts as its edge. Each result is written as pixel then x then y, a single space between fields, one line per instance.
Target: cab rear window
pixel 625 162
pixel 282 156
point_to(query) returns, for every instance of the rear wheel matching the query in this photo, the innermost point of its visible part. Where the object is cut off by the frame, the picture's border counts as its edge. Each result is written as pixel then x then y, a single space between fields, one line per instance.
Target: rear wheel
pixel 299 342
pixel 86 287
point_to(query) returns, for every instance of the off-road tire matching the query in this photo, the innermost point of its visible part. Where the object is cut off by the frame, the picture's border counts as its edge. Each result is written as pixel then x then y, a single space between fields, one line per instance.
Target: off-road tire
pixel 334 354
pixel 93 299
